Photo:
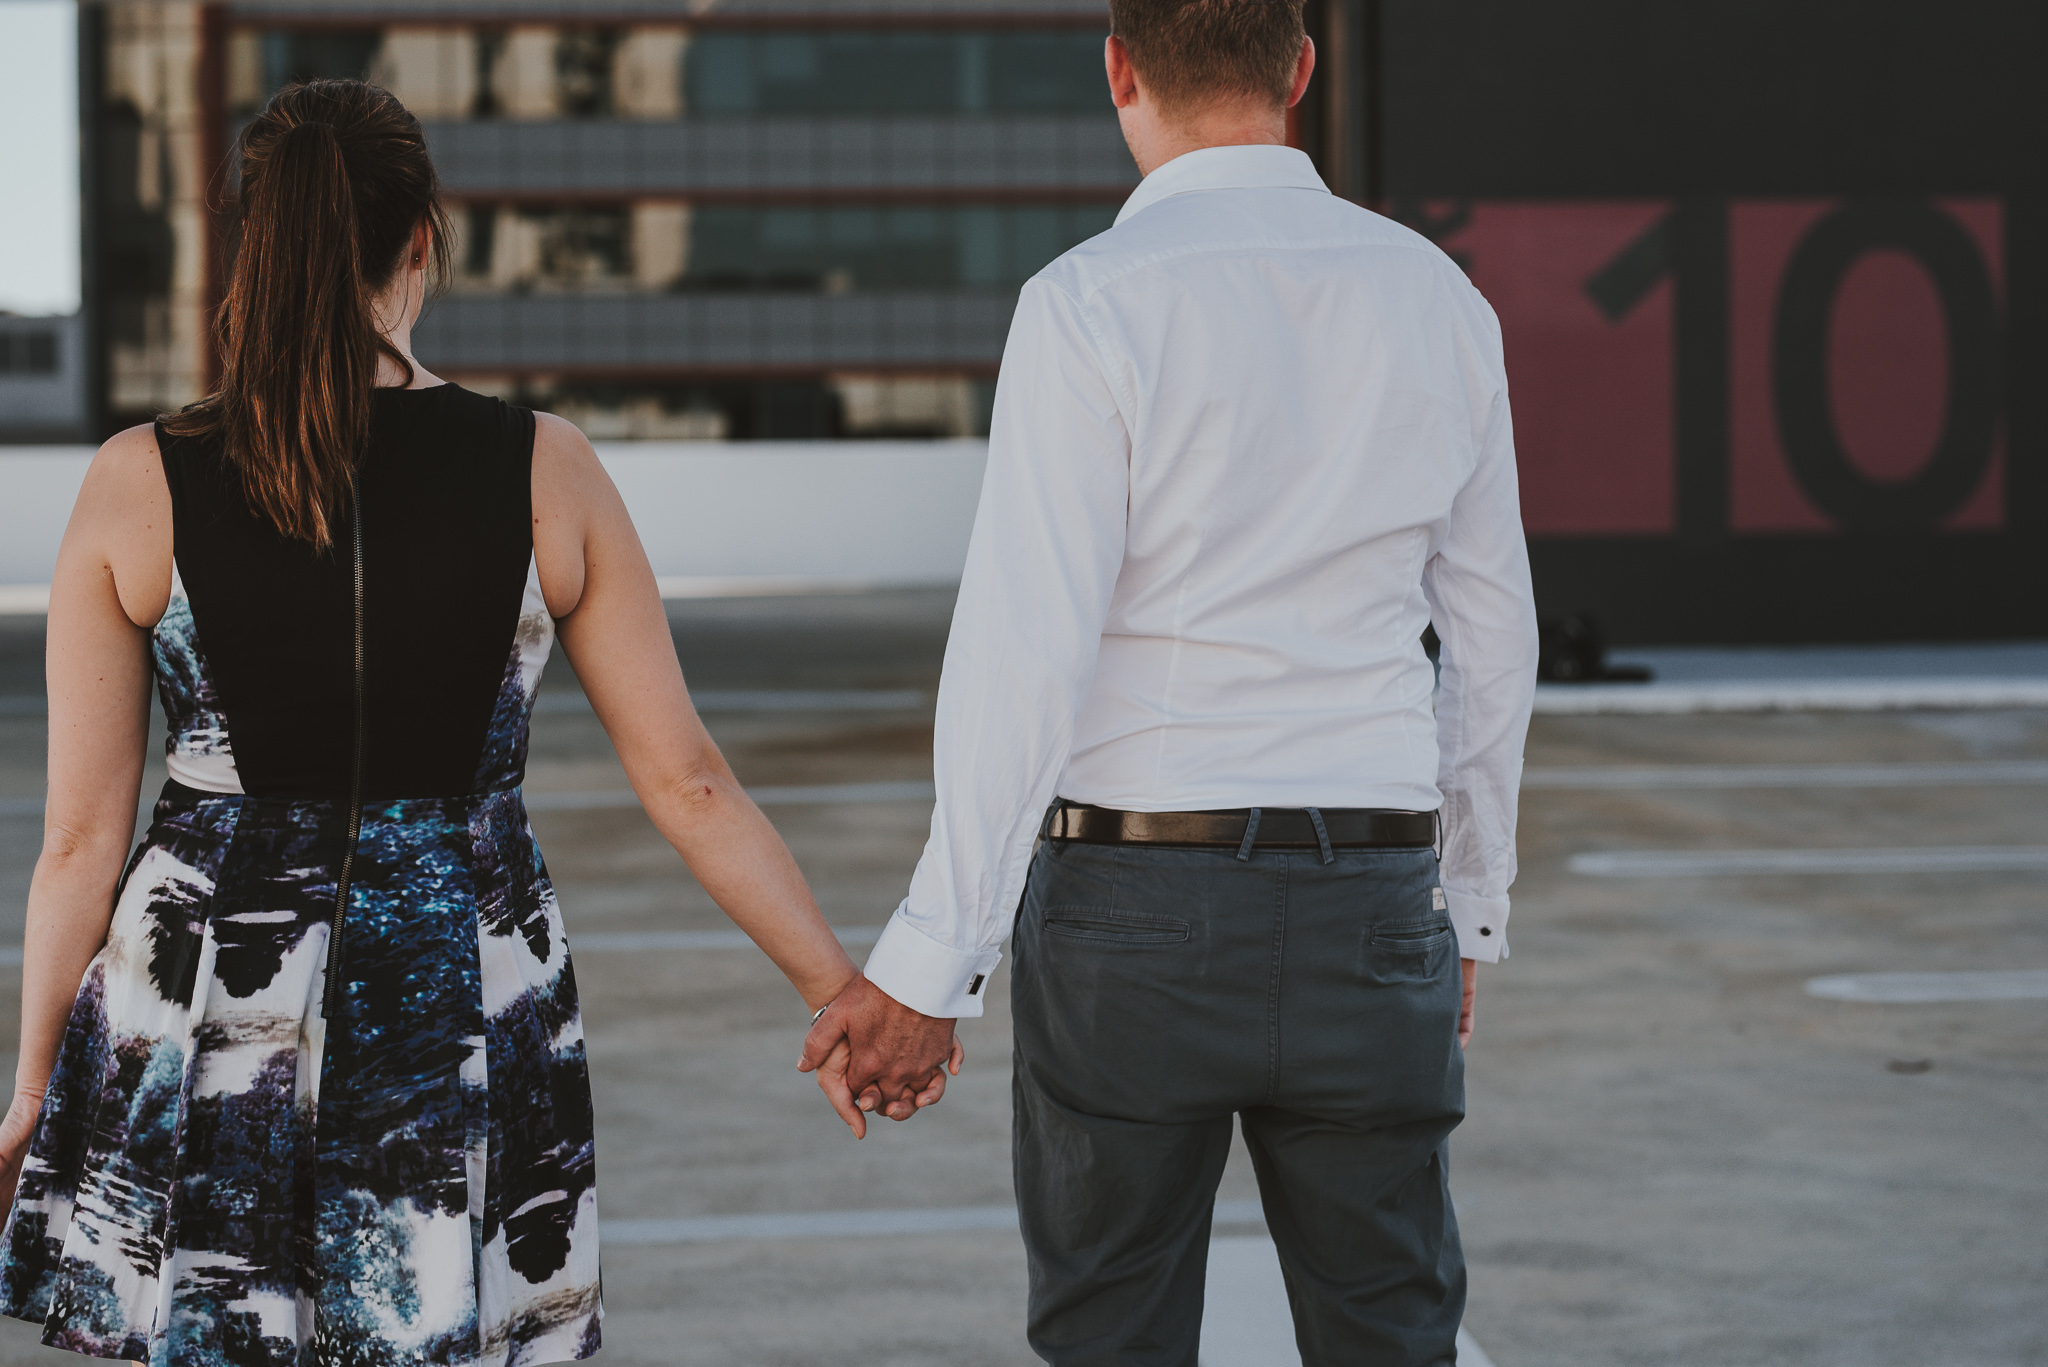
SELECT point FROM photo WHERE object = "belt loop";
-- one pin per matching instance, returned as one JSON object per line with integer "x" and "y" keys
{"x": 1045, "y": 826}
{"x": 1437, "y": 818}
{"x": 1251, "y": 833}
{"x": 1322, "y": 836}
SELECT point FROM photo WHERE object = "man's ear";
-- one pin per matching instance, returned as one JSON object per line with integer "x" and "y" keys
{"x": 1304, "y": 67}
{"x": 1123, "y": 77}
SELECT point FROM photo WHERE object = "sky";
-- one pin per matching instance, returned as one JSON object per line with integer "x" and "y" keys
{"x": 39, "y": 156}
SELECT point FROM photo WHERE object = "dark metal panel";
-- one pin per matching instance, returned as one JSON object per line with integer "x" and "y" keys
{"x": 1749, "y": 131}
{"x": 1797, "y": 590}
{"x": 1744, "y": 97}
{"x": 740, "y": 156}
{"x": 683, "y": 332}
{"x": 728, "y": 13}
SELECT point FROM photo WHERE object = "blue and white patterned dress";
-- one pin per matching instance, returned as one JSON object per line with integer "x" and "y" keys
{"x": 224, "y": 1175}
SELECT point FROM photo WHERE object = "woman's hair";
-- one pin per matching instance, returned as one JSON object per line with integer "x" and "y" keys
{"x": 335, "y": 181}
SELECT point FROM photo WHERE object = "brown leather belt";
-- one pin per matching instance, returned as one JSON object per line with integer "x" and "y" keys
{"x": 1355, "y": 828}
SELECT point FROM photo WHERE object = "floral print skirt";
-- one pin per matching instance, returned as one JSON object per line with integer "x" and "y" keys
{"x": 223, "y": 1174}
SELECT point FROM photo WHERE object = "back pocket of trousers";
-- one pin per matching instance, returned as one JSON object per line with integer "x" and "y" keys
{"x": 1408, "y": 951}
{"x": 1101, "y": 927}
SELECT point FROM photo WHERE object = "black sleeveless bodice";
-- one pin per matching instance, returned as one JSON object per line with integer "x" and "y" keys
{"x": 447, "y": 539}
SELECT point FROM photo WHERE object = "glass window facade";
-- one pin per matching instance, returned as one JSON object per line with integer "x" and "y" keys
{"x": 575, "y": 72}
{"x": 312, "y": 54}
{"x": 814, "y": 249}
{"x": 859, "y": 247}
{"x": 897, "y": 71}
{"x": 671, "y": 226}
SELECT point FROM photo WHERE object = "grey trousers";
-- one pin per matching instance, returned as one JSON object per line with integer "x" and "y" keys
{"x": 1157, "y": 993}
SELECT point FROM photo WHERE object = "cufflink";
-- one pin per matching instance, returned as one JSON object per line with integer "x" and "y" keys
{"x": 974, "y": 987}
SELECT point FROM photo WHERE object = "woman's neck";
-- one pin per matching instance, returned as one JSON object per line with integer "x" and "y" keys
{"x": 391, "y": 375}
{"x": 402, "y": 304}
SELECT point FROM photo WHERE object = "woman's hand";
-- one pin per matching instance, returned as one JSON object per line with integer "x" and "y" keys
{"x": 872, "y": 1054}
{"x": 16, "y": 1130}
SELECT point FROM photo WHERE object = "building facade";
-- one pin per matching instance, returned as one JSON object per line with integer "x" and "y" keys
{"x": 694, "y": 220}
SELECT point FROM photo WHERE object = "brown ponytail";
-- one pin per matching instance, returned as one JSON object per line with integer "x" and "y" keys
{"x": 335, "y": 180}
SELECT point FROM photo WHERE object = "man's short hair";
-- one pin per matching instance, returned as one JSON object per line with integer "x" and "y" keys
{"x": 1193, "y": 52}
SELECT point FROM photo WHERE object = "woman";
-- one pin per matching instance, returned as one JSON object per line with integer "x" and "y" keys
{"x": 310, "y": 1072}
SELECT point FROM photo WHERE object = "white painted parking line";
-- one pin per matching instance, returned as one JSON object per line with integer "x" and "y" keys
{"x": 797, "y": 795}
{"x": 1791, "y": 695}
{"x": 1245, "y": 1319}
{"x": 1991, "y": 985}
{"x": 635, "y": 941}
{"x": 607, "y": 799}
{"x": 1470, "y": 1354}
{"x": 610, "y": 799}
{"x": 1927, "y": 774}
{"x": 1717, "y": 863}
{"x": 1585, "y": 777}
{"x": 1245, "y": 1323}
{"x": 1996, "y": 985}
{"x": 708, "y": 700}
{"x": 770, "y": 585}
{"x": 844, "y": 1224}
{"x": 768, "y": 700}
{"x": 817, "y": 1224}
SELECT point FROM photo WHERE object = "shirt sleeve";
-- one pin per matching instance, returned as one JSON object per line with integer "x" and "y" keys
{"x": 1048, "y": 544}
{"x": 1477, "y": 583}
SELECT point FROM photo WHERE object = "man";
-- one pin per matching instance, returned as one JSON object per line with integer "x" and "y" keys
{"x": 1247, "y": 445}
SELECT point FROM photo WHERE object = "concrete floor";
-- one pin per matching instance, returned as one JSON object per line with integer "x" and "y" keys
{"x": 1674, "y": 1155}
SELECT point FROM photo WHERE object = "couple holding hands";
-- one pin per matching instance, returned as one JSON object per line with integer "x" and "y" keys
{"x": 302, "y": 1076}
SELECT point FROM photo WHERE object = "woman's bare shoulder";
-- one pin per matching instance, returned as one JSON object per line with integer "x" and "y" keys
{"x": 130, "y": 455}
{"x": 570, "y": 491}
{"x": 124, "y": 492}
{"x": 561, "y": 453}
{"x": 123, "y": 521}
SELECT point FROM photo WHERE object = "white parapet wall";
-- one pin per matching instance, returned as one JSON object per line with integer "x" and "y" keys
{"x": 716, "y": 518}
{"x": 38, "y": 485}
{"x": 771, "y": 515}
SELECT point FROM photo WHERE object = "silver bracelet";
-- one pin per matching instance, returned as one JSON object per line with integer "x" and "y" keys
{"x": 817, "y": 1014}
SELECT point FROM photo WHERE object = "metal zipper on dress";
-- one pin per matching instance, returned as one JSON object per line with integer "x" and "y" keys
{"x": 346, "y": 877}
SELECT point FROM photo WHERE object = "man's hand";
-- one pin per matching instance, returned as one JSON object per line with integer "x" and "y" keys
{"x": 1470, "y": 968}
{"x": 872, "y": 1053}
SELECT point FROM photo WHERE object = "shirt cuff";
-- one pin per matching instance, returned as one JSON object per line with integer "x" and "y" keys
{"x": 927, "y": 976}
{"x": 1482, "y": 925}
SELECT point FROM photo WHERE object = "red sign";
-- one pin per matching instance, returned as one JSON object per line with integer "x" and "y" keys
{"x": 1862, "y": 371}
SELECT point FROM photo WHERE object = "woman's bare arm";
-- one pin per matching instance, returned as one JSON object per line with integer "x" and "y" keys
{"x": 610, "y": 621}
{"x": 112, "y": 582}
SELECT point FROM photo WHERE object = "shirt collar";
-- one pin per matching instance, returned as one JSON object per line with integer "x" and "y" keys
{"x": 1247, "y": 167}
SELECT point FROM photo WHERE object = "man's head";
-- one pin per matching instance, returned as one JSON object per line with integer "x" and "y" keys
{"x": 1202, "y": 73}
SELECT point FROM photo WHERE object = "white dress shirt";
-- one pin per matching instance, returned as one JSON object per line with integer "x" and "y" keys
{"x": 1246, "y": 445}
